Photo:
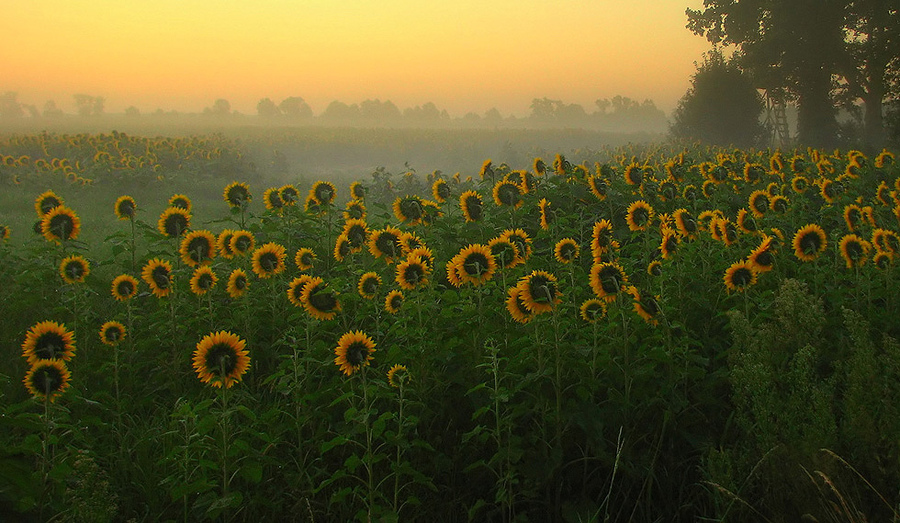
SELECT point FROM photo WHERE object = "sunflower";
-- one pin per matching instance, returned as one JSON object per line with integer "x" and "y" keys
{"x": 886, "y": 240}
{"x": 753, "y": 172}
{"x": 47, "y": 379}
{"x": 181, "y": 201}
{"x": 440, "y": 190}
{"x": 48, "y": 340}
{"x": 690, "y": 193}
{"x": 647, "y": 307}
{"x": 74, "y": 269}
{"x": 471, "y": 204}
{"x": 408, "y": 209}
{"x": 654, "y": 268}
{"x": 323, "y": 192}
{"x": 520, "y": 239}
{"x": 353, "y": 352}
{"x": 507, "y": 194}
{"x": 198, "y": 248}
{"x": 111, "y": 333}
{"x": 854, "y": 250}
{"x": 203, "y": 280}
{"x": 60, "y": 224}
{"x": 357, "y": 233}
{"x": 607, "y": 280}
{"x": 566, "y": 250}
{"x": 125, "y": 208}
{"x": 158, "y": 275}
{"x": 547, "y": 214}
{"x": 516, "y": 306}
{"x": 319, "y": 301}
{"x": 242, "y": 242}
{"x": 708, "y": 189}
{"x": 668, "y": 244}
{"x": 799, "y": 184}
{"x": 4, "y": 233}
{"x": 237, "y": 283}
{"x": 289, "y": 194}
{"x": 633, "y": 174}
{"x": 295, "y": 289}
{"x": 474, "y": 264}
{"x": 852, "y": 216}
{"x": 809, "y": 242}
{"x": 486, "y": 170}
{"x": 386, "y": 242}
{"x": 355, "y": 210}
{"x": 304, "y": 258}
{"x": 829, "y": 190}
{"x": 368, "y": 285}
{"x": 758, "y": 203}
{"x": 397, "y": 376}
{"x": 393, "y": 301}
{"x": 779, "y": 204}
{"x": 505, "y": 253}
{"x": 740, "y": 276}
{"x": 357, "y": 191}
{"x": 409, "y": 241}
{"x": 173, "y": 222}
{"x": 272, "y": 199}
{"x": 593, "y": 310}
{"x": 539, "y": 291}
{"x": 221, "y": 358}
{"x": 237, "y": 194}
{"x": 342, "y": 247}
{"x": 411, "y": 273}
{"x": 639, "y": 215}
{"x": 601, "y": 237}
{"x": 268, "y": 260}
{"x": 883, "y": 260}
{"x": 46, "y": 202}
{"x": 124, "y": 287}
{"x": 599, "y": 186}
{"x": 223, "y": 244}
{"x": 762, "y": 258}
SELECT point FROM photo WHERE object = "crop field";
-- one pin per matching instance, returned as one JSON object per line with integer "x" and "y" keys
{"x": 642, "y": 332}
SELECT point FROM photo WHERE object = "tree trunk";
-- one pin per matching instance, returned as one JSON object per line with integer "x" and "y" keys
{"x": 816, "y": 123}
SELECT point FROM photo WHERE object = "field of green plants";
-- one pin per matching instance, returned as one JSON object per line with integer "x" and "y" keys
{"x": 649, "y": 333}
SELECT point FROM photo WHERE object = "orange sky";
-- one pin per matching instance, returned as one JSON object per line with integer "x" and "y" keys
{"x": 463, "y": 55}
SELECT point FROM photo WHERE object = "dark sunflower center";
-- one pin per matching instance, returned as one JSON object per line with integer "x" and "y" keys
{"x": 289, "y": 195}
{"x": 240, "y": 283}
{"x": 779, "y": 205}
{"x": 443, "y": 190}
{"x": 411, "y": 209}
{"x": 760, "y": 203}
{"x": 690, "y": 194}
{"x": 473, "y": 207}
{"x": 175, "y": 225}
{"x": 599, "y": 186}
{"x": 62, "y": 225}
{"x": 322, "y": 300}
{"x": 396, "y": 301}
{"x": 414, "y": 273}
{"x": 47, "y": 380}
{"x": 242, "y": 243}
{"x": 356, "y": 353}
{"x": 810, "y": 242}
{"x": 221, "y": 359}
{"x": 48, "y": 204}
{"x": 853, "y": 217}
{"x": 306, "y": 258}
{"x": 610, "y": 280}
{"x": 124, "y": 288}
{"x": 199, "y": 249}
{"x": 635, "y": 176}
{"x": 126, "y": 208}
{"x": 388, "y": 243}
{"x": 268, "y": 261}
{"x": 75, "y": 270}
{"x": 668, "y": 190}
{"x": 475, "y": 264}
{"x": 160, "y": 276}
{"x": 113, "y": 334}
{"x": 205, "y": 281}
{"x": 640, "y": 215}
{"x": 324, "y": 193}
{"x": 508, "y": 193}
{"x": 505, "y": 253}
{"x": 238, "y": 196}
{"x": 741, "y": 277}
{"x": 567, "y": 251}
{"x": 354, "y": 211}
{"x": 854, "y": 250}
{"x": 370, "y": 285}
{"x": 748, "y": 222}
{"x": 180, "y": 203}
{"x": 720, "y": 173}
{"x": 49, "y": 345}
{"x": 542, "y": 290}
{"x": 764, "y": 259}
{"x": 650, "y": 306}
{"x": 275, "y": 200}
{"x": 670, "y": 244}
{"x": 356, "y": 234}
{"x": 593, "y": 311}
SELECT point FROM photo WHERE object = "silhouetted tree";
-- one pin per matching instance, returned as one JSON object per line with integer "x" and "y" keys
{"x": 10, "y": 106}
{"x": 379, "y": 111}
{"x": 266, "y": 108}
{"x": 339, "y": 111}
{"x": 87, "y": 105}
{"x": 295, "y": 107}
{"x": 220, "y": 107}
{"x": 722, "y": 106}
{"x": 51, "y": 110}
{"x": 426, "y": 113}
{"x": 132, "y": 111}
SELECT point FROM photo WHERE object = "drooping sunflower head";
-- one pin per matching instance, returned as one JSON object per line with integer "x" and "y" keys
{"x": 320, "y": 301}
{"x": 779, "y": 204}
{"x": 599, "y": 186}
{"x": 799, "y": 184}
{"x": 46, "y": 202}
{"x": 223, "y": 244}
{"x": 408, "y": 209}
{"x": 593, "y": 310}
{"x": 601, "y": 237}
{"x": 520, "y": 239}
{"x": 355, "y": 210}
{"x": 323, "y": 192}
{"x": 124, "y": 287}
{"x": 547, "y": 213}
{"x": 158, "y": 275}
{"x": 411, "y": 274}
{"x": 393, "y": 301}
{"x": 809, "y": 241}
{"x": 304, "y": 258}
{"x": 342, "y": 247}
{"x": 883, "y": 260}
{"x": 475, "y": 264}
{"x": 237, "y": 283}
{"x": 505, "y": 253}
{"x": 4, "y": 232}
{"x": 515, "y": 305}
{"x": 758, "y": 203}
{"x": 852, "y": 216}
{"x": 60, "y": 224}
{"x": 633, "y": 174}
{"x": 686, "y": 223}
{"x": 654, "y": 268}
{"x": 763, "y": 257}
{"x": 221, "y": 359}
{"x": 203, "y": 280}
{"x": 539, "y": 167}
{"x": 440, "y": 189}
{"x": 74, "y": 269}
{"x": 668, "y": 244}
{"x": 398, "y": 376}
{"x": 295, "y": 289}
{"x": 471, "y": 204}
{"x": 125, "y": 208}
{"x": 539, "y": 291}
{"x": 48, "y": 340}
{"x": 237, "y": 194}
{"x": 368, "y": 285}
{"x": 753, "y": 172}
{"x": 353, "y": 352}
{"x": 272, "y": 199}
{"x": 884, "y": 159}
{"x": 486, "y": 171}
{"x": 886, "y": 240}
{"x": 242, "y": 242}
{"x": 639, "y": 215}
{"x": 566, "y": 250}
{"x": 198, "y": 248}
{"x": 289, "y": 194}
{"x": 829, "y": 190}
{"x": 111, "y": 333}
{"x": 607, "y": 280}
{"x": 357, "y": 191}
{"x": 690, "y": 193}
{"x": 357, "y": 233}
{"x": 47, "y": 379}
{"x": 386, "y": 242}
{"x": 173, "y": 222}
{"x": 740, "y": 276}
{"x": 854, "y": 250}
{"x": 507, "y": 194}
{"x": 181, "y": 201}
{"x": 268, "y": 260}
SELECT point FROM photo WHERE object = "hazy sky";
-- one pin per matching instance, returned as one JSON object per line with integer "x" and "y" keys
{"x": 463, "y": 55}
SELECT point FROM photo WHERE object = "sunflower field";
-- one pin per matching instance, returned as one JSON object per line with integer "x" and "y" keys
{"x": 668, "y": 332}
